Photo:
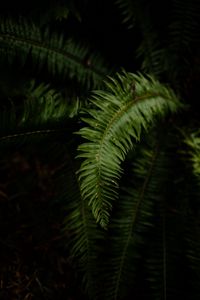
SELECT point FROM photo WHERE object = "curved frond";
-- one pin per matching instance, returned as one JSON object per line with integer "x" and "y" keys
{"x": 130, "y": 105}
{"x": 133, "y": 218}
{"x": 82, "y": 231}
{"x": 42, "y": 113}
{"x": 65, "y": 58}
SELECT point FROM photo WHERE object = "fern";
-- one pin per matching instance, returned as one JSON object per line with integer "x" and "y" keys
{"x": 65, "y": 58}
{"x": 133, "y": 219}
{"x": 41, "y": 114}
{"x": 184, "y": 28}
{"x": 127, "y": 11}
{"x": 193, "y": 142}
{"x": 191, "y": 220}
{"x": 130, "y": 105}
{"x": 192, "y": 246}
{"x": 163, "y": 272}
{"x": 82, "y": 231}
{"x": 150, "y": 50}
{"x": 132, "y": 176}
{"x": 152, "y": 53}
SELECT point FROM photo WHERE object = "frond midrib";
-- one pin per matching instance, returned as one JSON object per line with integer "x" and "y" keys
{"x": 28, "y": 133}
{"x": 116, "y": 116}
{"x": 65, "y": 54}
{"x": 124, "y": 109}
{"x": 118, "y": 108}
{"x": 133, "y": 221}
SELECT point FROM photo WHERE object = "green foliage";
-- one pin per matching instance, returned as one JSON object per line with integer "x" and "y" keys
{"x": 127, "y": 9}
{"x": 40, "y": 114}
{"x": 61, "y": 57}
{"x": 134, "y": 219}
{"x": 150, "y": 50}
{"x": 128, "y": 175}
{"x": 193, "y": 141}
{"x": 118, "y": 117}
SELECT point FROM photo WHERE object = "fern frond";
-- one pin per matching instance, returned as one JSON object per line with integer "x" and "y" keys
{"x": 42, "y": 113}
{"x": 184, "y": 28}
{"x": 171, "y": 237}
{"x": 164, "y": 273}
{"x": 183, "y": 39}
{"x": 192, "y": 234}
{"x": 127, "y": 11}
{"x": 56, "y": 12}
{"x": 150, "y": 49}
{"x": 192, "y": 226}
{"x": 133, "y": 218}
{"x": 65, "y": 58}
{"x": 130, "y": 105}
{"x": 193, "y": 142}
{"x": 82, "y": 231}
{"x": 151, "y": 53}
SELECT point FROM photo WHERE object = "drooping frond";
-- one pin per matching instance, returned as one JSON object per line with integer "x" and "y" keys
{"x": 62, "y": 58}
{"x": 164, "y": 274}
{"x": 130, "y": 105}
{"x": 147, "y": 244}
{"x": 82, "y": 231}
{"x": 133, "y": 218}
{"x": 42, "y": 112}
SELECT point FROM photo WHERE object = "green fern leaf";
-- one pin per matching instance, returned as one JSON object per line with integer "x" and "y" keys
{"x": 129, "y": 106}
{"x": 127, "y": 11}
{"x": 192, "y": 234}
{"x": 193, "y": 142}
{"x": 184, "y": 28}
{"x": 133, "y": 218}
{"x": 192, "y": 228}
{"x": 82, "y": 231}
{"x": 65, "y": 58}
{"x": 42, "y": 113}
{"x": 150, "y": 49}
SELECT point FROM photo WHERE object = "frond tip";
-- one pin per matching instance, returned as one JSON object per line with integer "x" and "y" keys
{"x": 130, "y": 105}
